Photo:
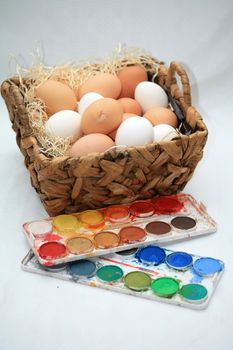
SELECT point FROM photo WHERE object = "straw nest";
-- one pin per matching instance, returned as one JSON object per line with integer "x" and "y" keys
{"x": 74, "y": 75}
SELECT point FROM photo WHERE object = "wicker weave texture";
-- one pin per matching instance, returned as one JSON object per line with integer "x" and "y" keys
{"x": 67, "y": 185}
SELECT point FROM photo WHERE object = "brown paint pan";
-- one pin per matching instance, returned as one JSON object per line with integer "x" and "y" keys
{"x": 158, "y": 228}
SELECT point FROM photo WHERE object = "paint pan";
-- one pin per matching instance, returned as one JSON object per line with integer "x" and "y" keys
{"x": 126, "y": 254}
{"x": 137, "y": 281}
{"x": 166, "y": 205}
{"x": 92, "y": 218}
{"x": 194, "y": 293}
{"x": 117, "y": 214}
{"x": 110, "y": 273}
{"x": 128, "y": 275}
{"x": 179, "y": 261}
{"x": 106, "y": 239}
{"x": 55, "y": 268}
{"x": 52, "y": 250}
{"x": 66, "y": 225}
{"x": 158, "y": 228}
{"x": 132, "y": 234}
{"x": 40, "y": 228}
{"x": 207, "y": 266}
{"x": 114, "y": 229}
{"x": 165, "y": 287}
{"x": 151, "y": 255}
{"x": 183, "y": 223}
{"x": 82, "y": 268}
{"x": 79, "y": 245}
{"x": 142, "y": 209}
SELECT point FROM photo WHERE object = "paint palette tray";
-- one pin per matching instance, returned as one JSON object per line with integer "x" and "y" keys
{"x": 99, "y": 232}
{"x": 150, "y": 272}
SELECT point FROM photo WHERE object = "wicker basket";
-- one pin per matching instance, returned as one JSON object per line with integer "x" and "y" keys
{"x": 67, "y": 185}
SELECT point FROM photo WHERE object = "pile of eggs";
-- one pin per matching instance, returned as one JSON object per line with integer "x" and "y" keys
{"x": 108, "y": 110}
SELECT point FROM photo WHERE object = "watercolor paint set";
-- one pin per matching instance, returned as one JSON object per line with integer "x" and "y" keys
{"x": 149, "y": 272}
{"x": 93, "y": 233}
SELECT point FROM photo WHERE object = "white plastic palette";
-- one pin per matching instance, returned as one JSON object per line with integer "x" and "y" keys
{"x": 127, "y": 265}
{"x": 53, "y": 247}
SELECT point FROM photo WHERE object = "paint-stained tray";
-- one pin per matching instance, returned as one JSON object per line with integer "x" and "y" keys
{"x": 178, "y": 278}
{"x": 98, "y": 232}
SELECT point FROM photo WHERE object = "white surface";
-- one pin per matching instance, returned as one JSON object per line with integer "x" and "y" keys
{"x": 44, "y": 313}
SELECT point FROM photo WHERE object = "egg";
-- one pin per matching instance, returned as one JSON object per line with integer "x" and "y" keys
{"x": 130, "y": 77}
{"x": 124, "y": 117}
{"x": 134, "y": 131}
{"x": 102, "y": 116}
{"x": 76, "y": 92}
{"x": 150, "y": 95}
{"x": 56, "y": 96}
{"x": 64, "y": 124}
{"x": 164, "y": 132}
{"x": 91, "y": 143}
{"x": 105, "y": 84}
{"x": 130, "y": 105}
{"x": 127, "y": 116}
{"x": 86, "y": 100}
{"x": 161, "y": 115}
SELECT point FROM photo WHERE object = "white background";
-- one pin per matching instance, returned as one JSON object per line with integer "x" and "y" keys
{"x": 44, "y": 313}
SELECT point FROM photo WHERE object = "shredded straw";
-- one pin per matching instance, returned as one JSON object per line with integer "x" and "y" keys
{"x": 73, "y": 75}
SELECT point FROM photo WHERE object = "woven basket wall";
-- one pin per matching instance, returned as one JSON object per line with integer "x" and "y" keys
{"x": 67, "y": 185}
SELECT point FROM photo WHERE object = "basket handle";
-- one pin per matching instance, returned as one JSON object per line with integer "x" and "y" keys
{"x": 184, "y": 96}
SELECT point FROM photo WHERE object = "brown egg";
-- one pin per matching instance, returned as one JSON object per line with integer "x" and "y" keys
{"x": 102, "y": 116}
{"x": 161, "y": 115}
{"x": 105, "y": 84}
{"x": 91, "y": 143}
{"x": 130, "y": 77}
{"x": 124, "y": 117}
{"x": 76, "y": 92}
{"x": 130, "y": 106}
{"x": 56, "y": 96}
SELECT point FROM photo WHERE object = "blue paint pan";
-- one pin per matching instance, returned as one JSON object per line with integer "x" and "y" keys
{"x": 152, "y": 255}
{"x": 82, "y": 268}
{"x": 207, "y": 266}
{"x": 55, "y": 268}
{"x": 179, "y": 261}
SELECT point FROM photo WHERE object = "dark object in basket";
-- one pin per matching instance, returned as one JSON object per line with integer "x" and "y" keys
{"x": 68, "y": 185}
{"x": 184, "y": 127}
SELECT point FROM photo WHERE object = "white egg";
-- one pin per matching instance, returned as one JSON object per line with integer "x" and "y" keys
{"x": 150, "y": 95}
{"x": 134, "y": 131}
{"x": 86, "y": 100}
{"x": 164, "y": 132}
{"x": 64, "y": 124}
